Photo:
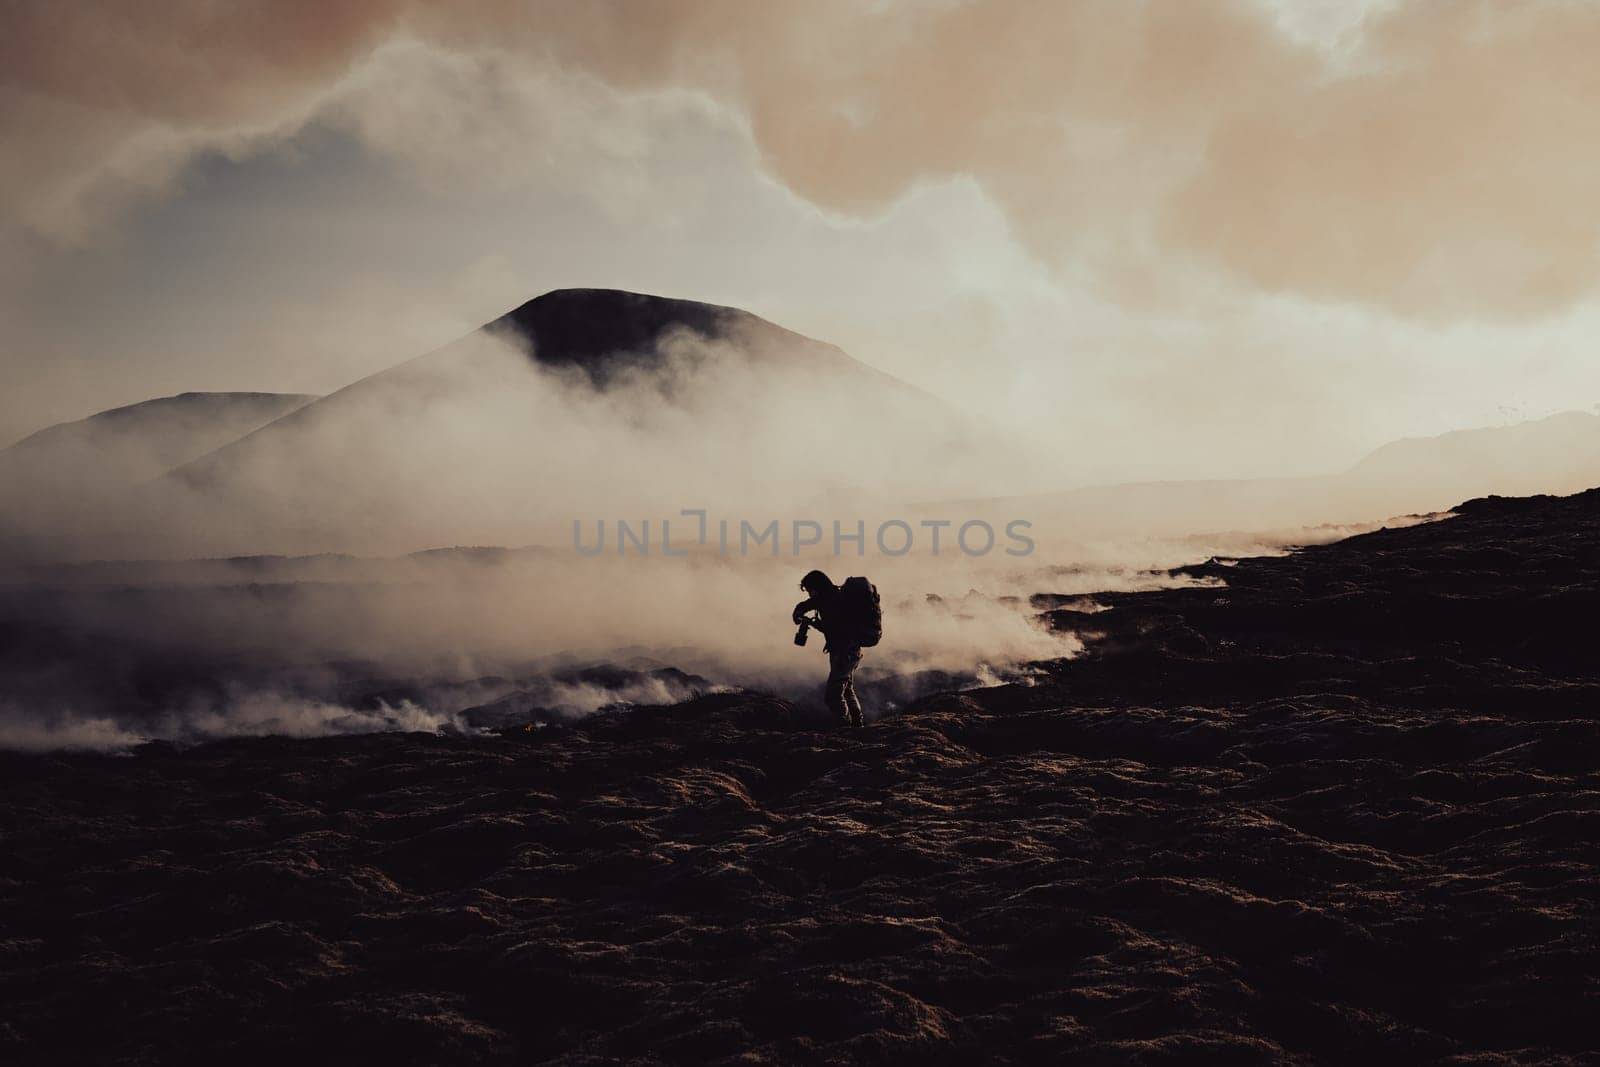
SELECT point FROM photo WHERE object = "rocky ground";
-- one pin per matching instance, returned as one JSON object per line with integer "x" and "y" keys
{"x": 1342, "y": 807}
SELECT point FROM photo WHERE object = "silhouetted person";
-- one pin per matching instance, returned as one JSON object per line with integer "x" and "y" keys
{"x": 838, "y": 622}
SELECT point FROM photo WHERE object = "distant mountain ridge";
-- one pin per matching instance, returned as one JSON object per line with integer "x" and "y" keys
{"x": 146, "y": 439}
{"x": 1559, "y": 454}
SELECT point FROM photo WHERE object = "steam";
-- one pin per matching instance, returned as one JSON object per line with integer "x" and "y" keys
{"x": 465, "y": 641}
{"x": 387, "y": 628}
{"x": 480, "y": 444}
{"x": 460, "y": 644}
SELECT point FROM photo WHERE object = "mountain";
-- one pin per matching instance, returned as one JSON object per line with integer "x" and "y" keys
{"x": 611, "y": 334}
{"x": 143, "y": 440}
{"x": 578, "y": 403}
{"x": 74, "y": 483}
{"x": 611, "y": 339}
{"x": 1559, "y": 454}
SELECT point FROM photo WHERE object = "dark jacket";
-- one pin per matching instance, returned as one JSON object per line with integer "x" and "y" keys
{"x": 835, "y": 623}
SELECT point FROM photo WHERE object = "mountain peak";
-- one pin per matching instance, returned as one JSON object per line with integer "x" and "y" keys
{"x": 604, "y": 330}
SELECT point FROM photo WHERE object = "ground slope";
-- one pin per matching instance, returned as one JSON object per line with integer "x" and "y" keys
{"x": 1342, "y": 808}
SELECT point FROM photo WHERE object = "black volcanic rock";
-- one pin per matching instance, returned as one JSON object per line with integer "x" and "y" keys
{"x": 1355, "y": 821}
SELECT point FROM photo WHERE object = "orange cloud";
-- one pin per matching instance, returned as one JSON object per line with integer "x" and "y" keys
{"x": 1445, "y": 169}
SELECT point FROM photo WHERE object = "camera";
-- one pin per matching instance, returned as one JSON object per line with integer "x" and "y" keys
{"x": 800, "y": 634}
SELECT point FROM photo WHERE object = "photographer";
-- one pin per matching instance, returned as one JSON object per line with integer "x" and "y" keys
{"x": 850, "y": 618}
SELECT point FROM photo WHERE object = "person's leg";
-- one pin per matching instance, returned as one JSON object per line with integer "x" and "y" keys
{"x": 840, "y": 664}
{"x": 853, "y": 702}
{"x": 838, "y": 679}
{"x": 841, "y": 691}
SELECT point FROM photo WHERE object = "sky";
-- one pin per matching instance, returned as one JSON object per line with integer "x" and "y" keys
{"x": 1184, "y": 239}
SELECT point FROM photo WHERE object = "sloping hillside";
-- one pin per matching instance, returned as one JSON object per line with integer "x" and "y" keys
{"x": 142, "y": 440}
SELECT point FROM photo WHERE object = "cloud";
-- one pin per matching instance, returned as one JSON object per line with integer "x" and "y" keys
{"x": 1435, "y": 165}
{"x": 101, "y": 103}
{"x": 1451, "y": 177}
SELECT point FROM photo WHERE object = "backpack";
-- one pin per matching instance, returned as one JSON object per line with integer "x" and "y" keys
{"x": 860, "y": 600}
